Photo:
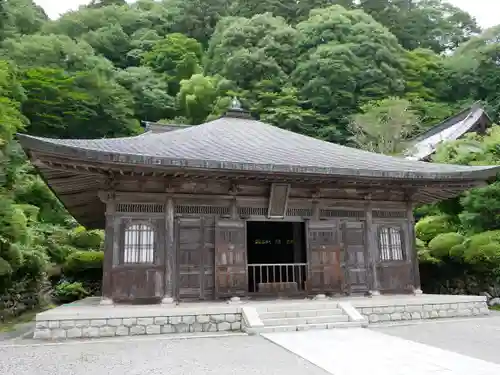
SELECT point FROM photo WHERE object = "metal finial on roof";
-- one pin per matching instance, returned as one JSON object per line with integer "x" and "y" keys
{"x": 235, "y": 104}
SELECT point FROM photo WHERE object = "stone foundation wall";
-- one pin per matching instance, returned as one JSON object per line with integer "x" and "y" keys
{"x": 376, "y": 314}
{"x": 85, "y": 328}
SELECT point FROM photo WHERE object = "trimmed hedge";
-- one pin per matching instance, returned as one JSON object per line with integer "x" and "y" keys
{"x": 85, "y": 267}
{"x": 441, "y": 245}
{"x": 429, "y": 227}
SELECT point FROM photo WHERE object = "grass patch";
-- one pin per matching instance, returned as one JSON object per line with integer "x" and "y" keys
{"x": 497, "y": 307}
{"x": 10, "y": 324}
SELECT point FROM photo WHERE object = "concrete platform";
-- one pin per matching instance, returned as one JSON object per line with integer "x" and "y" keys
{"x": 87, "y": 318}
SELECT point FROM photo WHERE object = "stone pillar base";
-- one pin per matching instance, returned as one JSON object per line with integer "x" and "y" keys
{"x": 106, "y": 301}
{"x": 167, "y": 300}
{"x": 320, "y": 297}
{"x": 418, "y": 292}
{"x": 374, "y": 293}
{"x": 234, "y": 300}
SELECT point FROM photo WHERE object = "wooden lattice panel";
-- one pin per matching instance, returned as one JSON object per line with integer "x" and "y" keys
{"x": 341, "y": 213}
{"x": 252, "y": 211}
{"x": 301, "y": 212}
{"x": 140, "y": 207}
{"x": 389, "y": 214}
{"x": 202, "y": 210}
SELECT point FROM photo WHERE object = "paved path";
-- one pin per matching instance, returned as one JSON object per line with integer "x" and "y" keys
{"x": 475, "y": 337}
{"x": 363, "y": 351}
{"x": 155, "y": 355}
{"x": 449, "y": 347}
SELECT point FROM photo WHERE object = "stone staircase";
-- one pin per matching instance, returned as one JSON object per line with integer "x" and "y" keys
{"x": 300, "y": 317}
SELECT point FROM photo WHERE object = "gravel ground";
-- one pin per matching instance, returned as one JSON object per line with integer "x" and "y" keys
{"x": 475, "y": 337}
{"x": 242, "y": 355}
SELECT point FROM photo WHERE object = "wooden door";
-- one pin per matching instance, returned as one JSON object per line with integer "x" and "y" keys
{"x": 325, "y": 270}
{"x": 189, "y": 257}
{"x": 356, "y": 264}
{"x": 230, "y": 258}
{"x": 195, "y": 258}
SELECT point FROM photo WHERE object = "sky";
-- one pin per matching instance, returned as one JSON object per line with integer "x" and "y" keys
{"x": 487, "y": 12}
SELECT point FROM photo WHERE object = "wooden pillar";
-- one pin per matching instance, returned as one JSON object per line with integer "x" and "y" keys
{"x": 412, "y": 247}
{"x": 109, "y": 240}
{"x": 170, "y": 252}
{"x": 372, "y": 248}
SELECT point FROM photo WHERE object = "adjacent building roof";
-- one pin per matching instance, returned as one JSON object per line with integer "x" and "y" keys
{"x": 156, "y": 127}
{"x": 471, "y": 119}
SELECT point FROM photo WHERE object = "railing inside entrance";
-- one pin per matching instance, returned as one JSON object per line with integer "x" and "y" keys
{"x": 277, "y": 278}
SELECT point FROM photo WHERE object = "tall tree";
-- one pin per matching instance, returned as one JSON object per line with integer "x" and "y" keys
{"x": 111, "y": 42}
{"x": 55, "y": 51}
{"x": 432, "y": 24}
{"x": 291, "y": 10}
{"x": 177, "y": 56}
{"x": 11, "y": 96}
{"x": 248, "y": 51}
{"x": 473, "y": 72}
{"x": 150, "y": 92}
{"x": 385, "y": 126}
{"x": 63, "y": 105}
{"x": 105, "y": 3}
{"x": 20, "y": 17}
{"x": 347, "y": 59}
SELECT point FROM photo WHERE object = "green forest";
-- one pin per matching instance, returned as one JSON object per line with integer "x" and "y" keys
{"x": 370, "y": 74}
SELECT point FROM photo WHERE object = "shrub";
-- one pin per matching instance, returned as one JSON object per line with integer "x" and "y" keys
{"x": 67, "y": 292}
{"x": 486, "y": 256}
{"x": 441, "y": 245}
{"x": 5, "y": 268}
{"x": 484, "y": 238}
{"x": 86, "y": 267}
{"x": 35, "y": 262}
{"x": 87, "y": 239}
{"x": 458, "y": 251}
{"x": 424, "y": 256}
{"x": 419, "y": 244}
{"x": 59, "y": 253}
{"x": 429, "y": 227}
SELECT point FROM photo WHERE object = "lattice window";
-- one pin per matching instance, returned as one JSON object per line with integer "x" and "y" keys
{"x": 140, "y": 207}
{"x": 341, "y": 213}
{"x": 252, "y": 211}
{"x": 202, "y": 210}
{"x": 303, "y": 212}
{"x": 389, "y": 214}
{"x": 139, "y": 244}
{"x": 390, "y": 244}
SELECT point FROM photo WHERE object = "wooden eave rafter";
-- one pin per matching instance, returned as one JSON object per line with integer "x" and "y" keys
{"x": 133, "y": 172}
{"x": 77, "y": 182}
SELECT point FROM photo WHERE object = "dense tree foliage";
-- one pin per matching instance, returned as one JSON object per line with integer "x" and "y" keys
{"x": 370, "y": 73}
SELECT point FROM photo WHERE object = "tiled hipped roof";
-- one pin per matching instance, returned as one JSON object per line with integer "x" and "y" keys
{"x": 242, "y": 144}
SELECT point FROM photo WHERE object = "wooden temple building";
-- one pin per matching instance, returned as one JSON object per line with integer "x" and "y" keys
{"x": 237, "y": 207}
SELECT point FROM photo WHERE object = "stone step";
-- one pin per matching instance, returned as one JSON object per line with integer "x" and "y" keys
{"x": 306, "y": 327}
{"x": 298, "y": 307}
{"x": 306, "y": 320}
{"x": 300, "y": 313}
